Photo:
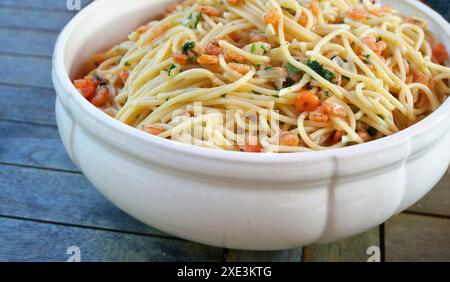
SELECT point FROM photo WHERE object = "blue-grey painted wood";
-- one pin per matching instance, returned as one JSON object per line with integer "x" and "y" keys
{"x": 32, "y": 241}
{"x": 53, "y": 5}
{"x": 27, "y": 104}
{"x": 32, "y": 19}
{"x": 33, "y": 145}
{"x": 26, "y": 71}
{"x": 27, "y": 42}
{"x": 63, "y": 198}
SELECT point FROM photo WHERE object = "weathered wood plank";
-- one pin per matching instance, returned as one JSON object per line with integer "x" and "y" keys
{"x": 41, "y": 4}
{"x": 437, "y": 202}
{"x": 350, "y": 250}
{"x": 32, "y": 241}
{"x": 61, "y": 197}
{"x": 417, "y": 238}
{"x": 44, "y": 195}
{"x": 32, "y": 19}
{"x": 27, "y": 42}
{"x": 26, "y": 71}
{"x": 33, "y": 145}
{"x": 294, "y": 255}
{"x": 27, "y": 104}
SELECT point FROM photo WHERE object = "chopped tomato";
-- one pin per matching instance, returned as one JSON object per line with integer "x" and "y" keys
{"x": 100, "y": 97}
{"x": 154, "y": 130}
{"x": 86, "y": 87}
{"x": 306, "y": 101}
{"x": 208, "y": 60}
{"x": 289, "y": 139}
{"x": 251, "y": 148}
{"x": 440, "y": 53}
{"x": 271, "y": 17}
{"x": 357, "y": 14}
{"x": 123, "y": 76}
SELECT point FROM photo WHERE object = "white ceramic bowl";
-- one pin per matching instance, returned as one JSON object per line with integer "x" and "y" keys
{"x": 234, "y": 199}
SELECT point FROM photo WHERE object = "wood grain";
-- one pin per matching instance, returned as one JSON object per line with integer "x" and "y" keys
{"x": 27, "y": 42}
{"x": 26, "y": 71}
{"x": 62, "y": 198}
{"x": 16, "y": 103}
{"x": 33, "y": 19}
{"x": 53, "y": 5}
{"x": 31, "y": 241}
{"x": 33, "y": 145}
{"x": 350, "y": 250}
{"x": 437, "y": 202}
{"x": 417, "y": 238}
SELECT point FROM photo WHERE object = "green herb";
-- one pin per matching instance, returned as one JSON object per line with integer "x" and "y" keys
{"x": 223, "y": 95}
{"x": 268, "y": 68}
{"x": 366, "y": 60}
{"x": 256, "y": 92}
{"x": 258, "y": 65}
{"x": 193, "y": 59}
{"x": 381, "y": 116}
{"x": 276, "y": 96}
{"x": 292, "y": 70}
{"x": 289, "y": 82}
{"x": 171, "y": 68}
{"x": 326, "y": 93}
{"x": 253, "y": 48}
{"x": 289, "y": 10}
{"x": 372, "y": 131}
{"x": 264, "y": 49}
{"x": 351, "y": 143}
{"x": 192, "y": 20}
{"x": 320, "y": 70}
{"x": 188, "y": 46}
{"x": 127, "y": 64}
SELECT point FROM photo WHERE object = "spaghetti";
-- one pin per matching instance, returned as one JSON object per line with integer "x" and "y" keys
{"x": 332, "y": 73}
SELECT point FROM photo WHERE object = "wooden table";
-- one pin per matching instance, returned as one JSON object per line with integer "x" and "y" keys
{"x": 47, "y": 205}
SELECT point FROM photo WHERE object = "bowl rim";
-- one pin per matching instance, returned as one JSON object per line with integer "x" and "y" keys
{"x": 62, "y": 77}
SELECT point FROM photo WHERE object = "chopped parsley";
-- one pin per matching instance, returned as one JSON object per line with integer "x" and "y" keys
{"x": 188, "y": 46}
{"x": 289, "y": 10}
{"x": 127, "y": 64}
{"x": 264, "y": 49}
{"x": 289, "y": 82}
{"x": 372, "y": 131}
{"x": 292, "y": 70}
{"x": 320, "y": 70}
{"x": 256, "y": 92}
{"x": 171, "y": 68}
{"x": 192, "y": 20}
{"x": 253, "y": 48}
{"x": 193, "y": 59}
{"x": 381, "y": 116}
{"x": 223, "y": 95}
{"x": 366, "y": 59}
